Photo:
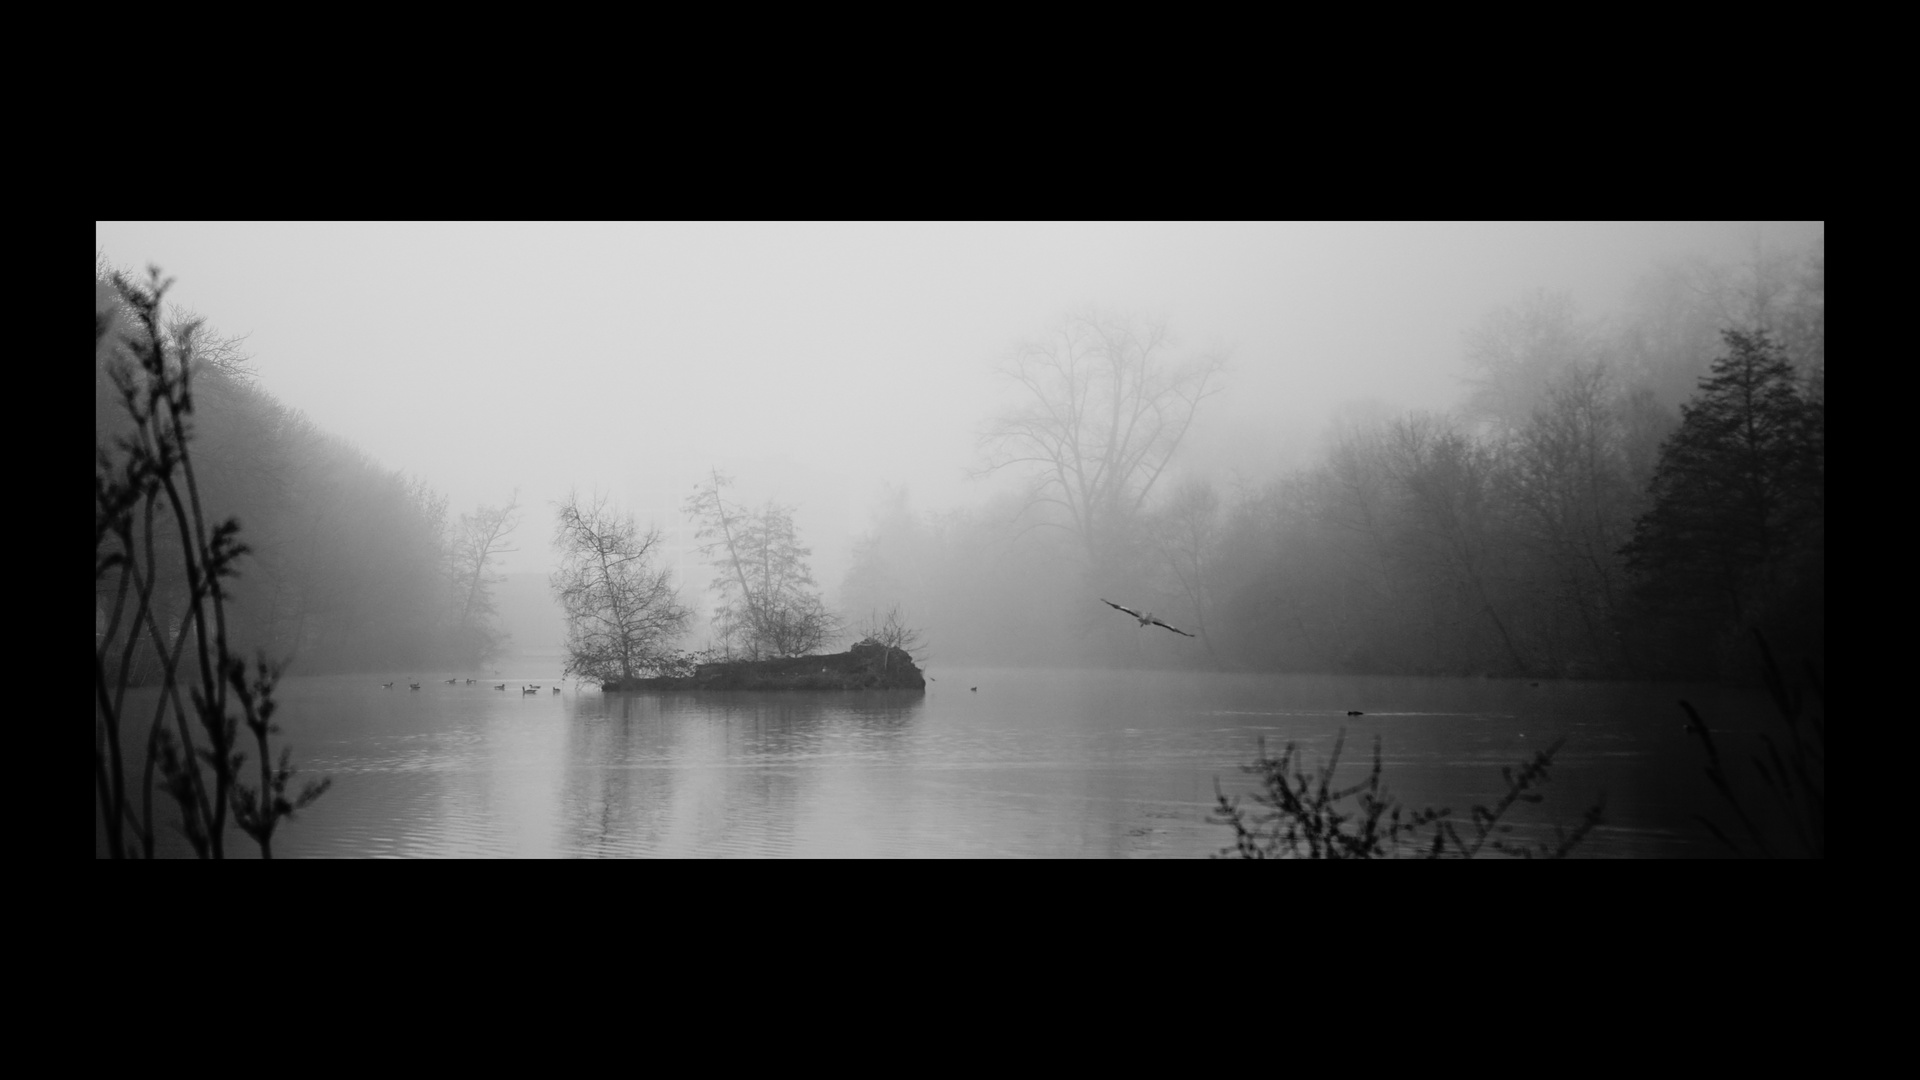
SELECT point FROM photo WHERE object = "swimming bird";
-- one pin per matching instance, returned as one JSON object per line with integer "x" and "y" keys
{"x": 386, "y": 686}
{"x": 556, "y": 689}
{"x": 413, "y": 686}
{"x": 1146, "y": 619}
{"x": 451, "y": 682}
{"x": 501, "y": 686}
{"x": 974, "y": 688}
{"x": 1355, "y": 712}
{"x": 469, "y": 682}
{"x": 529, "y": 689}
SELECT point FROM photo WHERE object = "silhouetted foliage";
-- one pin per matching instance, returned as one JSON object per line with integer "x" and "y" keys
{"x": 1307, "y": 816}
{"x": 163, "y": 569}
{"x": 1794, "y": 777}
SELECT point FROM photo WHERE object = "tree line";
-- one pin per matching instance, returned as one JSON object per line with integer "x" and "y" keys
{"x": 1613, "y": 498}
{"x": 1610, "y": 498}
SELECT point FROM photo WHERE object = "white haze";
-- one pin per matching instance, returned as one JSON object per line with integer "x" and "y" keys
{"x": 819, "y": 362}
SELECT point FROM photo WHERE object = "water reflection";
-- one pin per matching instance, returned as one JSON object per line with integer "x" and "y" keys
{"x": 1036, "y": 763}
{"x": 734, "y": 774}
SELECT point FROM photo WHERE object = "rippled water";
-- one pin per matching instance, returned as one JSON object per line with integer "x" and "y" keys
{"x": 1047, "y": 763}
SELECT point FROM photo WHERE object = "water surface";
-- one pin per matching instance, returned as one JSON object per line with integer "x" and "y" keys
{"x": 1034, "y": 763}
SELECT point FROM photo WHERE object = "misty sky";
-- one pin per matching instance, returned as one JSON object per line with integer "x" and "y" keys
{"x": 817, "y": 362}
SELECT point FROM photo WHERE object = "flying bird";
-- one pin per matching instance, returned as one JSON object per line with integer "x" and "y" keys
{"x": 1146, "y": 619}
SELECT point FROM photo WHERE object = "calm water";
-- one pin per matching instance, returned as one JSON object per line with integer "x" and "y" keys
{"x": 1046, "y": 763}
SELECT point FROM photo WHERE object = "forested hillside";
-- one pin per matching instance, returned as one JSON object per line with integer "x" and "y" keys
{"x": 351, "y": 566}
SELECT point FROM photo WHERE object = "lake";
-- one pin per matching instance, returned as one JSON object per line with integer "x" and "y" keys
{"x": 1035, "y": 763}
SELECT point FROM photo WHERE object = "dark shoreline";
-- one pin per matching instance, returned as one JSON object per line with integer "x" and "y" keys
{"x": 864, "y": 667}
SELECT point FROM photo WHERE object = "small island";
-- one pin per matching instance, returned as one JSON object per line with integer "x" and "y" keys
{"x": 866, "y": 666}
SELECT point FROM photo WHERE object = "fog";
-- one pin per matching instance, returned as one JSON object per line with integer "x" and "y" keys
{"x": 832, "y": 366}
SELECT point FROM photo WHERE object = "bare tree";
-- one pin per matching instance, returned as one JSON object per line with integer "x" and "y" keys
{"x": 768, "y": 600}
{"x": 1567, "y": 472}
{"x": 1186, "y": 531}
{"x": 1104, "y": 406}
{"x": 480, "y": 538}
{"x": 623, "y": 614}
{"x": 1517, "y": 352}
{"x": 893, "y": 632}
{"x": 1454, "y": 524}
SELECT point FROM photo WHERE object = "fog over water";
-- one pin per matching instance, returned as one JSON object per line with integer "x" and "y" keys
{"x": 1038, "y": 763}
{"x": 1137, "y": 499}
{"x": 818, "y": 362}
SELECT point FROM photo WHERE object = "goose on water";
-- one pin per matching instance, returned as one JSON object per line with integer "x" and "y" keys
{"x": 1146, "y": 619}
{"x": 501, "y": 686}
{"x": 386, "y": 686}
{"x": 529, "y": 689}
{"x": 413, "y": 686}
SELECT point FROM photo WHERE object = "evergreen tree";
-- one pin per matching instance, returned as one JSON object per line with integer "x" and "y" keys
{"x": 1736, "y": 534}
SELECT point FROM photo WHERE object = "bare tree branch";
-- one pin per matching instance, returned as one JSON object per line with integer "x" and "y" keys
{"x": 1104, "y": 408}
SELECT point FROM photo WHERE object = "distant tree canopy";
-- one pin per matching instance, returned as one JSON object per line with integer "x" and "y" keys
{"x": 1103, "y": 404}
{"x": 479, "y": 539}
{"x": 1550, "y": 526}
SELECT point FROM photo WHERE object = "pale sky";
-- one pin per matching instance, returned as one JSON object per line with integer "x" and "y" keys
{"x": 817, "y": 362}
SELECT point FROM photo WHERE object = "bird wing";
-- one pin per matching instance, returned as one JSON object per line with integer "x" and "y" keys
{"x": 1175, "y": 629}
{"x": 1117, "y": 607}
